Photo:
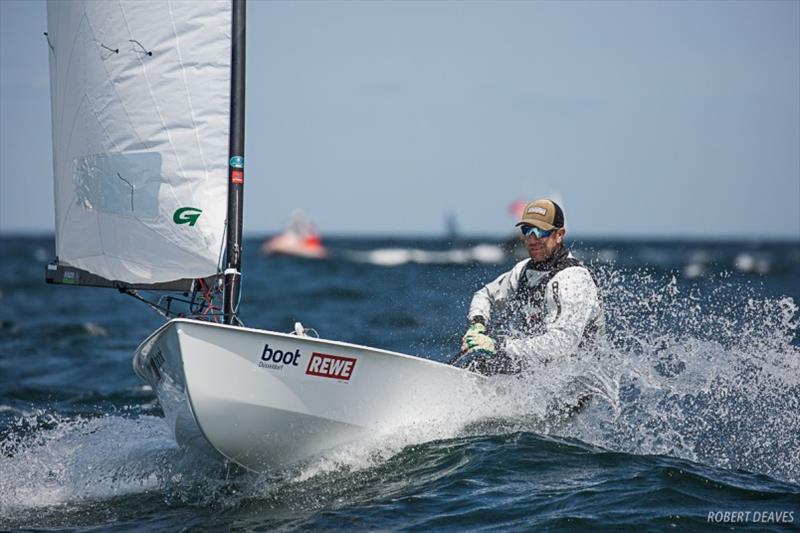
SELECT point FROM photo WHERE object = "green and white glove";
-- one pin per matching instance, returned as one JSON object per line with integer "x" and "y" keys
{"x": 477, "y": 340}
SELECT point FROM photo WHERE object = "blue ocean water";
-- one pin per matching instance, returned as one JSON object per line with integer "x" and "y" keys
{"x": 696, "y": 422}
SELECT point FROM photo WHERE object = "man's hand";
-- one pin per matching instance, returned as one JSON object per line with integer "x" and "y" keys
{"x": 477, "y": 340}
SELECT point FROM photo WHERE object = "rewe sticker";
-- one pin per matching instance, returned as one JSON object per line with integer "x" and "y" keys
{"x": 331, "y": 366}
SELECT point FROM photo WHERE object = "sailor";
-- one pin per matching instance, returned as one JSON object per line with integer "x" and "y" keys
{"x": 544, "y": 308}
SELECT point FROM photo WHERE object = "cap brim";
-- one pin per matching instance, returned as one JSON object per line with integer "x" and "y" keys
{"x": 536, "y": 222}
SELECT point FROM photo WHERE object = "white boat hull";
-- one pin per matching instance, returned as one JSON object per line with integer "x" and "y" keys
{"x": 266, "y": 400}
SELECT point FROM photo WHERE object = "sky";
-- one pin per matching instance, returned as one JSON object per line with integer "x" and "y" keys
{"x": 645, "y": 119}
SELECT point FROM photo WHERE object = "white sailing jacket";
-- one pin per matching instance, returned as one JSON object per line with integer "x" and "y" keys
{"x": 569, "y": 312}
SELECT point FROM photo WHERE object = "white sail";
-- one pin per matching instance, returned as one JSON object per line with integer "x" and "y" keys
{"x": 140, "y": 95}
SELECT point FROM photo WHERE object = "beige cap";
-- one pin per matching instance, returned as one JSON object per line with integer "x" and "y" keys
{"x": 544, "y": 213}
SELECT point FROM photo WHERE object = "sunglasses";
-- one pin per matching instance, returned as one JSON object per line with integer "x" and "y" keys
{"x": 540, "y": 233}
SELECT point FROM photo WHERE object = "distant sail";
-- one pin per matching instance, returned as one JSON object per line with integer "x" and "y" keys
{"x": 140, "y": 96}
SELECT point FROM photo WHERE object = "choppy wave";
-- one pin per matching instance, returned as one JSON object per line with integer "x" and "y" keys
{"x": 68, "y": 472}
{"x": 695, "y": 409}
{"x": 50, "y": 461}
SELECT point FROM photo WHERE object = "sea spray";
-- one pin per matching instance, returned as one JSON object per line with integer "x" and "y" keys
{"x": 50, "y": 460}
{"x": 705, "y": 372}
{"x": 59, "y": 469}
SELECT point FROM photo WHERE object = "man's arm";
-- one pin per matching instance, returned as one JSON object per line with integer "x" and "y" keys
{"x": 572, "y": 301}
{"x": 497, "y": 291}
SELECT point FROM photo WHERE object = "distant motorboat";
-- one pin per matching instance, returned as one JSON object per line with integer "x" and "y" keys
{"x": 300, "y": 239}
{"x": 290, "y": 243}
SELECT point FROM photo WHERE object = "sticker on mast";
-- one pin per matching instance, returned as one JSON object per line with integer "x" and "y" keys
{"x": 331, "y": 366}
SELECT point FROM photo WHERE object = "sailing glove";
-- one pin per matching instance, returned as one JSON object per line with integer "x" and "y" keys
{"x": 477, "y": 340}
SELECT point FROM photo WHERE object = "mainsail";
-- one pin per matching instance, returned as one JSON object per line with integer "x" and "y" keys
{"x": 140, "y": 95}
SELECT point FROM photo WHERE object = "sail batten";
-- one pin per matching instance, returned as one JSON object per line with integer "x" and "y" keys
{"x": 140, "y": 98}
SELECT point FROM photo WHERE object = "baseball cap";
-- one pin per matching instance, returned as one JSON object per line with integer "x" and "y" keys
{"x": 544, "y": 213}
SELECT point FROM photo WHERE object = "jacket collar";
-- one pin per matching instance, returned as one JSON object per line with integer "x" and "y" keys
{"x": 548, "y": 264}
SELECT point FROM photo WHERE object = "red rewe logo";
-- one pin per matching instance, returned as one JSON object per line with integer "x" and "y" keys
{"x": 331, "y": 366}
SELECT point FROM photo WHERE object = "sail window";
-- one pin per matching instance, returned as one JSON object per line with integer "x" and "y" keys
{"x": 119, "y": 184}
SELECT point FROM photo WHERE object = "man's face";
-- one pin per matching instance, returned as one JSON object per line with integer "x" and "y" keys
{"x": 544, "y": 248}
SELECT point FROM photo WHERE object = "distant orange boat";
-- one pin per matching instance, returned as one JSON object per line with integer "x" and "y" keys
{"x": 300, "y": 239}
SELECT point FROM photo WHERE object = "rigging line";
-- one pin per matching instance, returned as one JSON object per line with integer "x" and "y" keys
{"x": 115, "y": 50}
{"x": 143, "y": 50}
{"x": 238, "y": 301}
{"x": 49, "y": 43}
{"x": 238, "y": 297}
{"x": 159, "y": 308}
{"x": 195, "y": 284}
{"x": 133, "y": 189}
{"x": 203, "y": 304}
{"x": 166, "y": 310}
{"x": 132, "y": 293}
{"x": 222, "y": 247}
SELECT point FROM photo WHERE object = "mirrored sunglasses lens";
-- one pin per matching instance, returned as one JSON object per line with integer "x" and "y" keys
{"x": 540, "y": 233}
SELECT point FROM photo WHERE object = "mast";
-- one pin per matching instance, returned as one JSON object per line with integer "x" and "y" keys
{"x": 236, "y": 165}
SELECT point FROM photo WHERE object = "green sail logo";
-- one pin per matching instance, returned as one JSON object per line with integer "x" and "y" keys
{"x": 186, "y": 215}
